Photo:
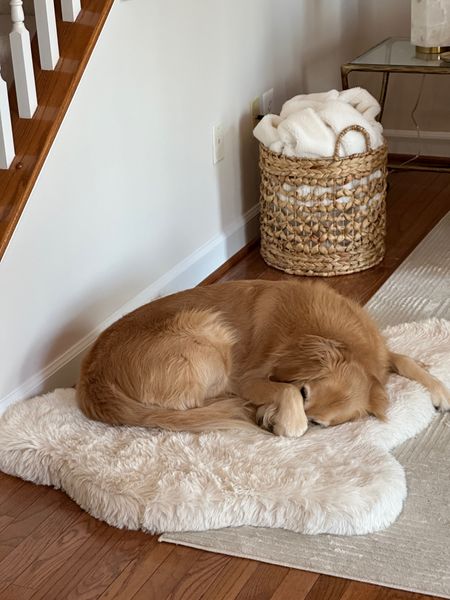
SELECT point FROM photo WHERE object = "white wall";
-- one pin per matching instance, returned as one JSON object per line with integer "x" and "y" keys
{"x": 128, "y": 204}
{"x": 5, "y": 8}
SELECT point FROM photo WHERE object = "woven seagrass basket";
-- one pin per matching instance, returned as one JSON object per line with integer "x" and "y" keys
{"x": 324, "y": 217}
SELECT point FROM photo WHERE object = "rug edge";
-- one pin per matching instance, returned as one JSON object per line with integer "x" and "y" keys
{"x": 166, "y": 538}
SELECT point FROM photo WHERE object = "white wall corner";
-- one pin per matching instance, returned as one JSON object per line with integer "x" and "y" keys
{"x": 426, "y": 143}
{"x": 63, "y": 371}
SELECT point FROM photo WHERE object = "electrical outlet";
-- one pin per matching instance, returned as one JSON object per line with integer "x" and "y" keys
{"x": 255, "y": 110}
{"x": 218, "y": 143}
{"x": 267, "y": 102}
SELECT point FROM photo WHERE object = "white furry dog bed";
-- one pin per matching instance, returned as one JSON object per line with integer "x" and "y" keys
{"x": 340, "y": 480}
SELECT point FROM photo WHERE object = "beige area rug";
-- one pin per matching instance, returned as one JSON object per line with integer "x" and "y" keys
{"x": 414, "y": 553}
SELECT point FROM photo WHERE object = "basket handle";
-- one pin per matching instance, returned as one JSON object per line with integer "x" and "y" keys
{"x": 346, "y": 130}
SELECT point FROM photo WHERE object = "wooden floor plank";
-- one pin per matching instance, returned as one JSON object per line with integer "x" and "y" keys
{"x": 111, "y": 565}
{"x": 328, "y": 588}
{"x": 138, "y": 571}
{"x": 57, "y": 553}
{"x": 34, "y": 544}
{"x": 231, "y": 579}
{"x": 31, "y": 517}
{"x": 20, "y": 499}
{"x": 8, "y": 485}
{"x": 5, "y": 521}
{"x": 263, "y": 582}
{"x": 358, "y": 589}
{"x": 236, "y": 259}
{"x": 168, "y": 574}
{"x": 60, "y": 582}
{"x": 16, "y": 592}
{"x": 295, "y": 586}
{"x": 253, "y": 268}
{"x": 200, "y": 577}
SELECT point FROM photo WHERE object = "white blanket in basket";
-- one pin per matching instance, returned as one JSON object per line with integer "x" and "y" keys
{"x": 309, "y": 124}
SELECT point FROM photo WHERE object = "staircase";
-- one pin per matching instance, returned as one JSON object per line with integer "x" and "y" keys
{"x": 44, "y": 48}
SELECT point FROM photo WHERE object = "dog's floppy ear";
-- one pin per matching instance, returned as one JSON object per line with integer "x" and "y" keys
{"x": 308, "y": 358}
{"x": 378, "y": 400}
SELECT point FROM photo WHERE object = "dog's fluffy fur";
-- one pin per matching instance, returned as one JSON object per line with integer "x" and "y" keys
{"x": 230, "y": 355}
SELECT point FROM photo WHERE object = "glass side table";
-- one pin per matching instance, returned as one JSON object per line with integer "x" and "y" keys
{"x": 396, "y": 55}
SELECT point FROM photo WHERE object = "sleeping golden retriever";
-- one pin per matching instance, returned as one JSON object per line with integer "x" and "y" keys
{"x": 236, "y": 354}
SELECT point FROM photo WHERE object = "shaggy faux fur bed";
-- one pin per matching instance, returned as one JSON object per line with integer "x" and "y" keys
{"x": 341, "y": 480}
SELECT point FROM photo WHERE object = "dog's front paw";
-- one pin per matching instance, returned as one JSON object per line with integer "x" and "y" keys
{"x": 285, "y": 417}
{"x": 440, "y": 396}
{"x": 290, "y": 429}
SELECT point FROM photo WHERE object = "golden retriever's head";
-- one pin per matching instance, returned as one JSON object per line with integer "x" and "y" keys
{"x": 334, "y": 384}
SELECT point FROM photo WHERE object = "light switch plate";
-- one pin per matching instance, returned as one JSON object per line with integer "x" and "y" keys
{"x": 218, "y": 143}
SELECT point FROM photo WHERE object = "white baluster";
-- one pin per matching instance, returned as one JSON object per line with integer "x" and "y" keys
{"x": 6, "y": 137}
{"x": 70, "y": 9}
{"x": 19, "y": 38}
{"x": 46, "y": 32}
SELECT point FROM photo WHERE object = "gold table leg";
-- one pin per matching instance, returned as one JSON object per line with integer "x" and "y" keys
{"x": 344, "y": 77}
{"x": 384, "y": 86}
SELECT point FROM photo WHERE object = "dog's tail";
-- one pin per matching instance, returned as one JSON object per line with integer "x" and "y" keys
{"x": 114, "y": 407}
{"x": 408, "y": 367}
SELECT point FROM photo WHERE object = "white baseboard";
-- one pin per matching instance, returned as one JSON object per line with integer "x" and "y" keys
{"x": 63, "y": 371}
{"x": 430, "y": 143}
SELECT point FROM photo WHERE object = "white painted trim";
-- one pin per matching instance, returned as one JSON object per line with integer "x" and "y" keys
{"x": 62, "y": 372}
{"x": 7, "y": 151}
{"x": 406, "y": 141}
{"x": 70, "y": 9}
{"x": 47, "y": 35}
{"x": 19, "y": 40}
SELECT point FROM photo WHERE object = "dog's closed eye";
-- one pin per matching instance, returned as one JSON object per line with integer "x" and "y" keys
{"x": 305, "y": 392}
{"x": 320, "y": 423}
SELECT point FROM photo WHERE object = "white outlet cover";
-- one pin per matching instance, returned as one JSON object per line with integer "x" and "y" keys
{"x": 267, "y": 102}
{"x": 218, "y": 143}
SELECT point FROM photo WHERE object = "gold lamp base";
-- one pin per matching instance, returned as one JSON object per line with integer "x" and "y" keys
{"x": 431, "y": 52}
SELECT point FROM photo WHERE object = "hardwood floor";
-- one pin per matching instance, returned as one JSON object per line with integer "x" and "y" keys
{"x": 50, "y": 549}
